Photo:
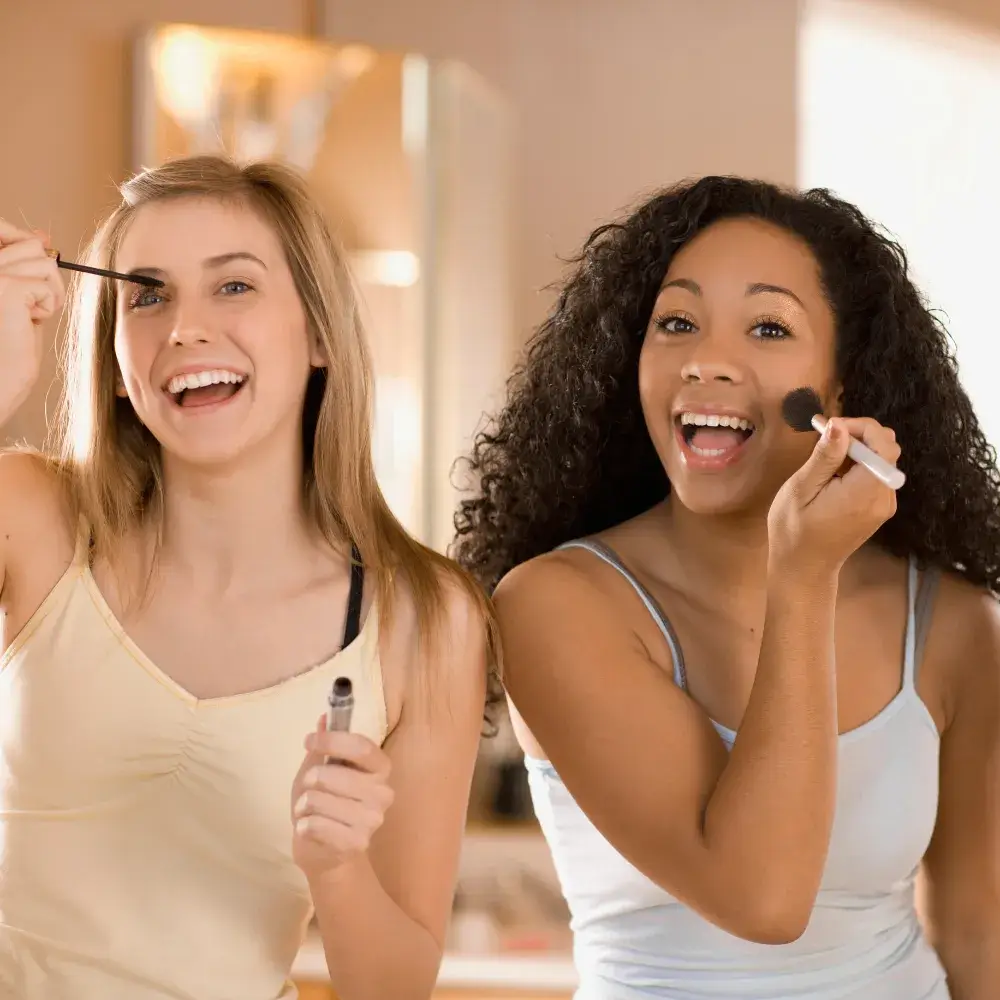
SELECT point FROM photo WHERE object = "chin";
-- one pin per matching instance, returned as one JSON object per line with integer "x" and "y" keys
{"x": 205, "y": 455}
{"x": 740, "y": 489}
{"x": 716, "y": 501}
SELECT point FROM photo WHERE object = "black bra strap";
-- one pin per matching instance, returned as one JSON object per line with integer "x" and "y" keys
{"x": 352, "y": 624}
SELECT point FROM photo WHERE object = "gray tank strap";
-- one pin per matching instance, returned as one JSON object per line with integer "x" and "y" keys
{"x": 608, "y": 555}
{"x": 923, "y": 613}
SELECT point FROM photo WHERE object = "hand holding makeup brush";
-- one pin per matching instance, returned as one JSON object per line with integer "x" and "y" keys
{"x": 821, "y": 517}
{"x": 31, "y": 291}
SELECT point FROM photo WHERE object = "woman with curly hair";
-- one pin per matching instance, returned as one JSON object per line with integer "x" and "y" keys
{"x": 756, "y": 697}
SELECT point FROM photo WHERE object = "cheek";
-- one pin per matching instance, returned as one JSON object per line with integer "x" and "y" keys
{"x": 657, "y": 385}
{"x": 128, "y": 354}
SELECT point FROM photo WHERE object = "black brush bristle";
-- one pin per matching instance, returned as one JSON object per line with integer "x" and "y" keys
{"x": 799, "y": 407}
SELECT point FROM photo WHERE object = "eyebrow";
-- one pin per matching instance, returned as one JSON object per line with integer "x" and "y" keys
{"x": 757, "y": 288}
{"x": 208, "y": 263}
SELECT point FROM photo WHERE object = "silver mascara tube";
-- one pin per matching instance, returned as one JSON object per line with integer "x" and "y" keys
{"x": 340, "y": 707}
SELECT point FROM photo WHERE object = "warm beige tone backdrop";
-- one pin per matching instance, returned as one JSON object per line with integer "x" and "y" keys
{"x": 612, "y": 96}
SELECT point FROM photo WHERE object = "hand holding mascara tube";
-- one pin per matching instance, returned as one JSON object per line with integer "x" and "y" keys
{"x": 337, "y": 808}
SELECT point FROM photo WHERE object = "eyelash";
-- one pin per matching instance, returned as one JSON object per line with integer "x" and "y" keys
{"x": 137, "y": 302}
{"x": 661, "y": 324}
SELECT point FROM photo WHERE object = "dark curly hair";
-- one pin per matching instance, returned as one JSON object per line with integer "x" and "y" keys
{"x": 569, "y": 453}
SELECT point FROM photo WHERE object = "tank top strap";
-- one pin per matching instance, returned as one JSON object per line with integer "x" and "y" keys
{"x": 922, "y": 590}
{"x": 608, "y": 555}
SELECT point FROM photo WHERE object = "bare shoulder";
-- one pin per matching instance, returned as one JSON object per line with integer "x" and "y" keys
{"x": 568, "y": 597}
{"x": 573, "y": 632}
{"x": 963, "y": 645}
{"x": 436, "y": 660}
{"x": 558, "y": 578}
{"x": 37, "y": 536}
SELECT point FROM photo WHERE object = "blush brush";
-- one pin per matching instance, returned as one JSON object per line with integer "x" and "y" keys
{"x": 803, "y": 411}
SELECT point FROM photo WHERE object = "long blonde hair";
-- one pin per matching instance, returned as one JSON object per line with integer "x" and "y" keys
{"x": 113, "y": 464}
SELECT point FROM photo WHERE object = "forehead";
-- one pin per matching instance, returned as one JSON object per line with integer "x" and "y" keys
{"x": 748, "y": 250}
{"x": 183, "y": 232}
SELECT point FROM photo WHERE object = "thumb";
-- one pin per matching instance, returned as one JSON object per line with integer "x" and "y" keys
{"x": 822, "y": 465}
{"x": 312, "y": 757}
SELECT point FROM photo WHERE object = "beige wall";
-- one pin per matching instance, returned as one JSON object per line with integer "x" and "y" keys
{"x": 613, "y": 97}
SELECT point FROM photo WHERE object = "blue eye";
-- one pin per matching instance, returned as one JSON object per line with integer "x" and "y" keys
{"x": 143, "y": 297}
{"x": 236, "y": 288}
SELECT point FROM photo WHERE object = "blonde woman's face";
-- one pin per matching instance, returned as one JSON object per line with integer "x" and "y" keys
{"x": 217, "y": 360}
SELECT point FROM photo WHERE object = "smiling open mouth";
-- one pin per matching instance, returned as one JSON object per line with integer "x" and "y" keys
{"x": 711, "y": 435}
{"x": 205, "y": 388}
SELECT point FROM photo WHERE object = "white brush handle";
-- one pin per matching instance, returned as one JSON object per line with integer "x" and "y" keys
{"x": 882, "y": 470}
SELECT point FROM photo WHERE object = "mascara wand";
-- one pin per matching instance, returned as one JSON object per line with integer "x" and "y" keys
{"x": 138, "y": 279}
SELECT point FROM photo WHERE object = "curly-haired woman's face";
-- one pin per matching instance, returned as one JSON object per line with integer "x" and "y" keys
{"x": 741, "y": 319}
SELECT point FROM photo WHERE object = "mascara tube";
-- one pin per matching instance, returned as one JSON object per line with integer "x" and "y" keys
{"x": 339, "y": 707}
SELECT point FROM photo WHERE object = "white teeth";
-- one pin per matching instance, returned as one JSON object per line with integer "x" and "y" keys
{"x": 195, "y": 380}
{"x": 715, "y": 420}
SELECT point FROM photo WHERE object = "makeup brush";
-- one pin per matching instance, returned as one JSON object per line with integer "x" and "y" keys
{"x": 138, "y": 279}
{"x": 803, "y": 411}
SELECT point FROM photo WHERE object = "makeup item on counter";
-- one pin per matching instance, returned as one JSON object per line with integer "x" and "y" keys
{"x": 138, "y": 279}
{"x": 803, "y": 411}
{"x": 340, "y": 706}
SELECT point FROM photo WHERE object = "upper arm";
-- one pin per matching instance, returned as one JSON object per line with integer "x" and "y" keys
{"x": 962, "y": 865}
{"x": 433, "y": 751}
{"x": 32, "y": 515}
{"x": 638, "y": 756}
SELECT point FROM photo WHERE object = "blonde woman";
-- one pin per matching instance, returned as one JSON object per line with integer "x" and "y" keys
{"x": 179, "y": 594}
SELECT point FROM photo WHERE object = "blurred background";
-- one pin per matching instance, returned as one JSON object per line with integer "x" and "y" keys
{"x": 462, "y": 147}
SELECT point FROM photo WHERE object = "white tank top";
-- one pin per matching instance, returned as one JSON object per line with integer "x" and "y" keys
{"x": 633, "y": 941}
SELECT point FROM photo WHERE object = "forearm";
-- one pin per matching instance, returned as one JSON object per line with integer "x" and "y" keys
{"x": 972, "y": 965}
{"x": 770, "y": 815}
{"x": 373, "y": 949}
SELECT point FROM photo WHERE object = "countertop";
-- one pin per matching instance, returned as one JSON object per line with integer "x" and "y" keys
{"x": 520, "y": 971}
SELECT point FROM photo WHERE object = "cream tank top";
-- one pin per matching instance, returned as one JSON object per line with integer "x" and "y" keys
{"x": 633, "y": 941}
{"x": 145, "y": 834}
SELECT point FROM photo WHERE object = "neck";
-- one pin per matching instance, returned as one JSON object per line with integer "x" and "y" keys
{"x": 725, "y": 550}
{"x": 226, "y": 527}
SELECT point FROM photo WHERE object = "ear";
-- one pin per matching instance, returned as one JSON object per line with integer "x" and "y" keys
{"x": 120, "y": 391}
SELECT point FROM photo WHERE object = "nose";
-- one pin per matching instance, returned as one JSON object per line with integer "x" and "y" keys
{"x": 704, "y": 369}
{"x": 189, "y": 328}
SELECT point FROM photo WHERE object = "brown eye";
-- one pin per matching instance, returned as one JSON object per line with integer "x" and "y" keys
{"x": 674, "y": 324}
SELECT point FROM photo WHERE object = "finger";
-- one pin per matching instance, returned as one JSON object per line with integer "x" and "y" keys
{"x": 366, "y": 815}
{"x": 348, "y": 782}
{"x": 312, "y": 758}
{"x": 23, "y": 250}
{"x": 9, "y": 233}
{"x": 866, "y": 490}
{"x": 881, "y": 439}
{"x": 332, "y": 833}
{"x": 30, "y": 267}
{"x": 822, "y": 465}
{"x": 351, "y": 748}
{"x": 38, "y": 295}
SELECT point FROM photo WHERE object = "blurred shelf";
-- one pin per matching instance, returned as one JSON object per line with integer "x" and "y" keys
{"x": 515, "y": 972}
